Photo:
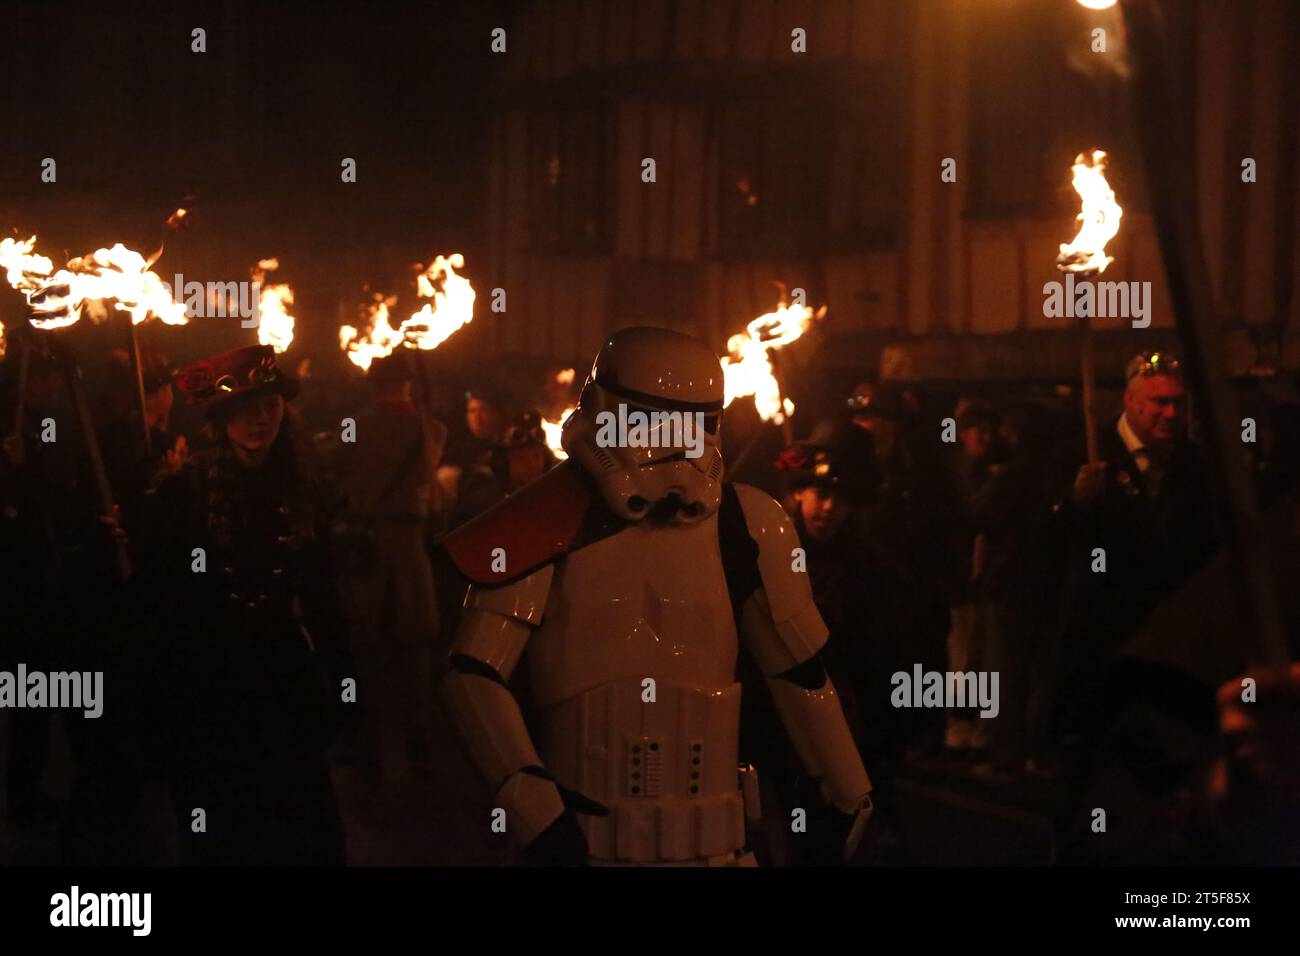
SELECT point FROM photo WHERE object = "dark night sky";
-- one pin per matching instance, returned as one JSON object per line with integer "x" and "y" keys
{"x": 115, "y": 93}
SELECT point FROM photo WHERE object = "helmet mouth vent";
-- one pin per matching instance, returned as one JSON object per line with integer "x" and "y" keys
{"x": 672, "y": 505}
{"x": 637, "y": 504}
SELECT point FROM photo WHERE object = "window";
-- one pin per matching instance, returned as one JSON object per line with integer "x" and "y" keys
{"x": 567, "y": 181}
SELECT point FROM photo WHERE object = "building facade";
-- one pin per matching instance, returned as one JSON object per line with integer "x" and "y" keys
{"x": 802, "y": 143}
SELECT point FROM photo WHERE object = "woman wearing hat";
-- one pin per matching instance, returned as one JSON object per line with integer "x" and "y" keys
{"x": 234, "y": 551}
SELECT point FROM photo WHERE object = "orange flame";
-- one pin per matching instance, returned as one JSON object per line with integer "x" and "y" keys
{"x": 1098, "y": 217}
{"x": 451, "y": 307}
{"x": 274, "y": 324}
{"x": 57, "y": 297}
{"x": 747, "y": 369}
{"x": 379, "y": 339}
{"x": 553, "y": 430}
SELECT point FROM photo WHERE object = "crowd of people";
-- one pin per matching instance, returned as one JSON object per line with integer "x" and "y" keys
{"x": 999, "y": 547}
{"x": 256, "y": 578}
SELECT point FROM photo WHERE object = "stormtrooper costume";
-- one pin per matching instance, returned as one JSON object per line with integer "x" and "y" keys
{"x": 630, "y": 576}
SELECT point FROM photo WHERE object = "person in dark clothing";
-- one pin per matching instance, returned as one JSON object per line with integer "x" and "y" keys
{"x": 466, "y": 480}
{"x": 908, "y": 521}
{"x": 33, "y": 495}
{"x": 387, "y": 476}
{"x": 1136, "y": 526}
{"x": 1022, "y": 577}
{"x": 1145, "y": 504}
{"x": 828, "y": 479}
{"x": 1275, "y": 455}
{"x": 132, "y": 469}
{"x": 521, "y": 456}
{"x": 976, "y": 619}
{"x": 69, "y": 608}
{"x": 247, "y": 625}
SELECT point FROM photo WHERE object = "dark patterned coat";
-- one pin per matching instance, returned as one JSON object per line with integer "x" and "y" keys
{"x": 243, "y": 649}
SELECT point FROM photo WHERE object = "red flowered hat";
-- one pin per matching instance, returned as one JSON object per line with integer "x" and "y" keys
{"x": 240, "y": 373}
{"x": 838, "y": 456}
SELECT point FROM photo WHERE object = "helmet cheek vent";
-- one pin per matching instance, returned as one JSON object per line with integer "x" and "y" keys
{"x": 715, "y": 470}
{"x": 605, "y": 459}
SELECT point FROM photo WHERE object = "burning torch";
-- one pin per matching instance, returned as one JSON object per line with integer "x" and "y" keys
{"x": 1085, "y": 257}
{"x": 55, "y": 299}
{"x": 553, "y": 428}
{"x": 750, "y": 366}
{"x": 448, "y": 307}
{"x": 171, "y": 225}
{"x": 274, "y": 323}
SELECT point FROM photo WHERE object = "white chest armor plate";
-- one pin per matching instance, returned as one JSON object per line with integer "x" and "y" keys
{"x": 646, "y": 603}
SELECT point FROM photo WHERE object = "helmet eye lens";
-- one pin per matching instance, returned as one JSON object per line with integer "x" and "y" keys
{"x": 711, "y": 422}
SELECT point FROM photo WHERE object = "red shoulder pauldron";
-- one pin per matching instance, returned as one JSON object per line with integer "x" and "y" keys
{"x": 536, "y": 525}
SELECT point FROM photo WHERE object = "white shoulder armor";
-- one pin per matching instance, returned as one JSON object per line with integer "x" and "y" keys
{"x": 787, "y": 595}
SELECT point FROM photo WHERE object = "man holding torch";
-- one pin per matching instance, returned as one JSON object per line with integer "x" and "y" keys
{"x": 387, "y": 477}
{"x": 1137, "y": 521}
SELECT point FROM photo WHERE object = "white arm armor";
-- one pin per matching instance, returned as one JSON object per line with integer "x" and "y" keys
{"x": 494, "y": 628}
{"x": 782, "y": 629}
{"x": 789, "y": 608}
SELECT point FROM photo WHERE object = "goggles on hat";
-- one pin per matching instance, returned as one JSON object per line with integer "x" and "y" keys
{"x": 1151, "y": 363}
{"x": 260, "y": 374}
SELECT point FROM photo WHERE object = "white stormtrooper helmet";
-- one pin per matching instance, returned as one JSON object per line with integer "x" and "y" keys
{"x": 677, "y": 474}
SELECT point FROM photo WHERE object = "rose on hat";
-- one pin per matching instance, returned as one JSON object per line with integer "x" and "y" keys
{"x": 239, "y": 373}
{"x": 794, "y": 458}
{"x": 838, "y": 456}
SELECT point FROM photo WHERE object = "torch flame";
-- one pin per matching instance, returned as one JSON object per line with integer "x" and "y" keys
{"x": 380, "y": 338}
{"x": 274, "y": 324}
{"x": 1098, "y": 217}
{"x": 57, "y": 297}
{"x": 452, "y": 307}
{"x": 24, "y": 270}
{"x": 747, "y": 369}
{"x": 554, "y": 429}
